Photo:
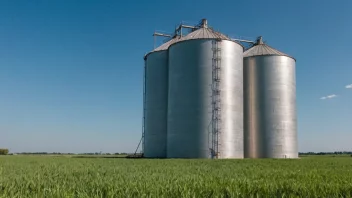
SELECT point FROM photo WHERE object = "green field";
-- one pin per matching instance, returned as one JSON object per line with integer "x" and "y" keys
{"x": 40, "y": 176}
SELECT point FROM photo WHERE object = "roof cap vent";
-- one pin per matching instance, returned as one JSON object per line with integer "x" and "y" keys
{"x": 204, "y": 23}
{"x": 260, "y": 40}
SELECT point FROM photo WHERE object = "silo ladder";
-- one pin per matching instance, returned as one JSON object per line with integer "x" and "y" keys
{"x": 216, "y": 98}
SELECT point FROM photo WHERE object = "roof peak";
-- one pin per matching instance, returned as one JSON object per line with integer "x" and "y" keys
{"x": 204, "y": 33}
{"x": 204, "y": 23}
{"x": 260, "y": 41}
{"x": 261, "y": 49}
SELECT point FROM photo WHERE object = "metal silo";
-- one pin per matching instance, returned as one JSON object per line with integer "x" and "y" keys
{"x": 270, "y": 123}
{"x": 155, "y": 101}
{"x": 205, "y": 103}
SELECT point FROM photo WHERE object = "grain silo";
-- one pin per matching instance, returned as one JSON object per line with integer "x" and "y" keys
{"x": 270, "y": 127}
{"x": 155, "y": 101}
{"x": 205, "y": 101}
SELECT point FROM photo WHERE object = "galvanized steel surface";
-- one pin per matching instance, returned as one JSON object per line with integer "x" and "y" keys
{"x": 190, "y": 104}
{"x": 231, "y": 136}
{"x": 156, "y": 88}
{"x": 270, "y": 127}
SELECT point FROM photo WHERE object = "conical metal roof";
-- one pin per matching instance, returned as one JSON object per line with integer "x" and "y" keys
{"x": 204, "y": 33}
{"x": 262, "y": 49}
{"x": 164, "y": 46}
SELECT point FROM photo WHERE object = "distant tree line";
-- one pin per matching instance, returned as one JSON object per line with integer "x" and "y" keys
{"x": 4, "y": 151}
{"x": 327, "y": 153}
{"x": 103, "y": 154}
{"x": 59, "y": 153}
{"x": 44, "y": 153}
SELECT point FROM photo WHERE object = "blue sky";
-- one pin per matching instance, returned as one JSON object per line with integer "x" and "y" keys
{"x": 71, "y": 71}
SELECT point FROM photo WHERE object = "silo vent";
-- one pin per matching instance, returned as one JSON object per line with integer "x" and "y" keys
{"x": 204, "y": 23}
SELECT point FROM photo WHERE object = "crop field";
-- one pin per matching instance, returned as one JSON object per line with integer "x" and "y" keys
{"x": 48, "y": 176}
